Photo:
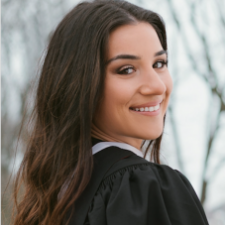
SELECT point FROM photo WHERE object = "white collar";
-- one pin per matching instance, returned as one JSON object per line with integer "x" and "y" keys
{"x": 102, "y": 145}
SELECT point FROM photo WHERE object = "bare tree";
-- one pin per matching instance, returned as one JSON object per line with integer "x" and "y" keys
{"x": 26, "y": 26}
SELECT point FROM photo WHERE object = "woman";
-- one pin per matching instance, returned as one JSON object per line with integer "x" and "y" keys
{"x": 104, "y": 89}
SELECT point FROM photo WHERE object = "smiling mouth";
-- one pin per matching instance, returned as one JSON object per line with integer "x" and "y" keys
{"x": 147, "y": 109}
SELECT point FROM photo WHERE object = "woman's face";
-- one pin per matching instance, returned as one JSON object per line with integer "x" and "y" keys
{"x": 137, "y": 87}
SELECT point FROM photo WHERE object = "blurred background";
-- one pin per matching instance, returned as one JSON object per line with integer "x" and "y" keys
{"x": 194, "y": 136}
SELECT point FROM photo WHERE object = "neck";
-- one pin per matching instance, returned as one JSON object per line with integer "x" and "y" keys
{"x": 135, "y": 142}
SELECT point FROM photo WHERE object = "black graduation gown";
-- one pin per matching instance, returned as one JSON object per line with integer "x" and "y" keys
{"x": 139, "y": 192}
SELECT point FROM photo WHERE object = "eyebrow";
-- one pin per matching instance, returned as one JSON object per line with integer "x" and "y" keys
{"x": 161, "y": 53}
{"x": 127, "y": 56}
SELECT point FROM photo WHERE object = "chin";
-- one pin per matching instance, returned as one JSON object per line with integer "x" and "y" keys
{"x": 155, "y": 136}
{"x": 152, "y": 135}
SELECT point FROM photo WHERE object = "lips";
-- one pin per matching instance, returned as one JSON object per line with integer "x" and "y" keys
{"x": 148, "y": 104}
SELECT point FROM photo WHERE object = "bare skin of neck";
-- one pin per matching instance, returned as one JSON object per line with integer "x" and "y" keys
{"x": 97, "y": 133}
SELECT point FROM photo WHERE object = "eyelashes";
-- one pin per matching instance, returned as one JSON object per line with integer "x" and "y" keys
{"x": 162, "y": 62}
{"x": 126, "y": 70}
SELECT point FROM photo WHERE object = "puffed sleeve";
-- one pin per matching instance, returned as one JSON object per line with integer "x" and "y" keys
{"x": 146, "y": 194}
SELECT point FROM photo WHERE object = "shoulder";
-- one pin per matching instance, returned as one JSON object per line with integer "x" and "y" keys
{"x": 140, "y": 175}
{"x": 133, "y": 166}
{"x": 136, "y": 191}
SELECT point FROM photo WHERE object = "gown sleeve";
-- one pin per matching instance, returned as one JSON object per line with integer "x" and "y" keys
{"x": 146, "y": 194}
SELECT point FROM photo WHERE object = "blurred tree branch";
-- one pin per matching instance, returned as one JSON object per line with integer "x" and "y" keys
{"x": 27, "y": 24}
{"x": 210, "y": 78}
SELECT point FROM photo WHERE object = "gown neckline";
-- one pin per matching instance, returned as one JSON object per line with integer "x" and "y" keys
{"x": 99, "y": 145}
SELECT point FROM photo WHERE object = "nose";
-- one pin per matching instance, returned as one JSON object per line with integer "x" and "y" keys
{"x": 152, "y": 83}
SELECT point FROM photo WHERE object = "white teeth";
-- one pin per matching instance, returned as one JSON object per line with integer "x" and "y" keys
{"x": 157, "y": 107}
{"x": 151, "y": 109}
{"x": 148, "y": 109}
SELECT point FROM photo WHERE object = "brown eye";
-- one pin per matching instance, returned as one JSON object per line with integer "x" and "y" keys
{"x": 126, "y": 70}
{"x": 160, "y": 64}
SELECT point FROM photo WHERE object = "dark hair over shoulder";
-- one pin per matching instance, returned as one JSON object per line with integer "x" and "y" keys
{"x": 68, "y": 92}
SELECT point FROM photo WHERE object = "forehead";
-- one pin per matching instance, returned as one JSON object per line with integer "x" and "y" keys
{"x": 139, "y": 39}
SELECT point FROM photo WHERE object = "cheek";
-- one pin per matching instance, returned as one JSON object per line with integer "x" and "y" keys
{"x": 117, "y": 94}
{"x": 169, "y": 85}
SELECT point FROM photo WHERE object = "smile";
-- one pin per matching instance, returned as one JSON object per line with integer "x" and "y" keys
{"x": 147, "y": 109}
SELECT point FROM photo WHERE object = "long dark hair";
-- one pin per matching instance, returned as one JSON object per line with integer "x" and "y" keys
{"x": 68, "y": 93}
